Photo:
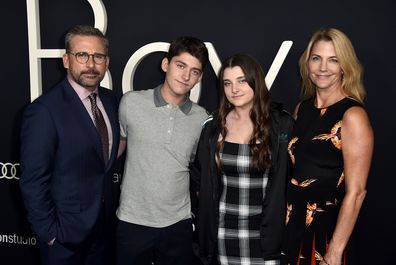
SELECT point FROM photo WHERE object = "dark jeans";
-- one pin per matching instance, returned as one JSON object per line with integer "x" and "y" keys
{"x": 142, "y": 245}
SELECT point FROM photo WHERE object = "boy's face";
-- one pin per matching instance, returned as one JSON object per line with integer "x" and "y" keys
{"x": 183, "y": 72}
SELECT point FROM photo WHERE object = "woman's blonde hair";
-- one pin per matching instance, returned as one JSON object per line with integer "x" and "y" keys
{"x": 352, "y": 79}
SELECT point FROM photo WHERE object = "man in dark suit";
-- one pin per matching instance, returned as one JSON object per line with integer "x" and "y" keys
{"x": 69, "y": 139}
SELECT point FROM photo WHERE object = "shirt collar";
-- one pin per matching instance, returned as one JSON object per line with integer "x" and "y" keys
{"x": 159, "y": 101}
{"x": 82, "y": 92}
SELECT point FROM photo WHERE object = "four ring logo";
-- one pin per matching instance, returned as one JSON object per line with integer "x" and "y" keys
{"x": 9, "y": 170}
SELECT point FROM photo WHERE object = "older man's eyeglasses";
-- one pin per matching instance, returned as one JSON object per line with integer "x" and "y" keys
{"x": 83, "y": 57}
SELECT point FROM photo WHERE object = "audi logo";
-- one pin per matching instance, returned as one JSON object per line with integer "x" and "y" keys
{"x": 9, "y": 170}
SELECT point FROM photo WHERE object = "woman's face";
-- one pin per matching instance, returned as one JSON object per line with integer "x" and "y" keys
{"x": 323, "y": 66}
{"x": 236, "y": 88}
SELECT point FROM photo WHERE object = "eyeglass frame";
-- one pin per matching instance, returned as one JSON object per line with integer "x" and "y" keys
{"x": 76, "y": 54}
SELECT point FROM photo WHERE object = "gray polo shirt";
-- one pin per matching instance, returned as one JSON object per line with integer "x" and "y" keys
{"x": 161, "y": 141}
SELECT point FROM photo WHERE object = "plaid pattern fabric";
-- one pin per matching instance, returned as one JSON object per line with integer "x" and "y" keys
{"x": 240, "y": 208}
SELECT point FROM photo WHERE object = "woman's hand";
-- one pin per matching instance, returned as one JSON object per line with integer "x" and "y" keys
{"x": 330, "y": 259}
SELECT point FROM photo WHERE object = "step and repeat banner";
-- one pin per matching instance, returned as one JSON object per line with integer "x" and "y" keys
{"x": 274, "y": 32}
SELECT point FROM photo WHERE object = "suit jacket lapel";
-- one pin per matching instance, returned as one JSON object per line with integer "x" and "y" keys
{"x": 80, "y": 113}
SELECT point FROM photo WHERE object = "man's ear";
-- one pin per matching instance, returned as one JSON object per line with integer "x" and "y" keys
{"x": 65, "y": 59}
{"x": 165, "y": 64}
{"x": 107, "y": 62}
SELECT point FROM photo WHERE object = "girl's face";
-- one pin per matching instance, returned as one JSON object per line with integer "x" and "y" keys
{"x": 236, "y": 88}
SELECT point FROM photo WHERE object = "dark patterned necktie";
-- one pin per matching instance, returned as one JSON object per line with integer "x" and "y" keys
{"x": 100, "y": 126}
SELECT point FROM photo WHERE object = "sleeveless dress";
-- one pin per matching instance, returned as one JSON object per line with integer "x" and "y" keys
{"x": 316, "y": 188}
{"x": 240, "y": 208}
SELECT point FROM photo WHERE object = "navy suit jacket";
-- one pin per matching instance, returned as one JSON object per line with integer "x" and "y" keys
{"x": 64, "y": 180}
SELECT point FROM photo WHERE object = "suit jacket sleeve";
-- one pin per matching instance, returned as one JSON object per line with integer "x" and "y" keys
{"x": 38, "y": 149}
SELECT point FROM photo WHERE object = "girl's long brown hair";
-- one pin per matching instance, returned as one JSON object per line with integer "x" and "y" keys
{"x": 259, "y": 114}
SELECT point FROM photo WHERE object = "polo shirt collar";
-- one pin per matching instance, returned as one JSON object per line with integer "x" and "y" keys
{"x": 159, "y": 101}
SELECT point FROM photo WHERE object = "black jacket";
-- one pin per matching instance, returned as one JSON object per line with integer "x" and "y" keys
{"x": 206, "y": 189}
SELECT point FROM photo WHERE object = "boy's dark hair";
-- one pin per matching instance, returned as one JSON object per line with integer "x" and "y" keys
{"x": 192, "y": 45}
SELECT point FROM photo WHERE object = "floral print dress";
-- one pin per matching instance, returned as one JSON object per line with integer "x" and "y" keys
{"x": 316, "y": 187}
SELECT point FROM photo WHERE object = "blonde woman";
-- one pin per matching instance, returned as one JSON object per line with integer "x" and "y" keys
{"x": 331, "y": 150}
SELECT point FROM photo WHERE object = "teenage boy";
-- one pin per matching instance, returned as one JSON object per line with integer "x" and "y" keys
{"x": 160, "y": 128}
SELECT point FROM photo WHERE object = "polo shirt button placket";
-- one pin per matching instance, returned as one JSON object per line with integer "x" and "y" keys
{"x": 171, "y": 120}
{"x": 170, "y": 125}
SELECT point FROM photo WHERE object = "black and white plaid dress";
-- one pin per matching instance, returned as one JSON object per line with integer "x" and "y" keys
{"x": 240, "y": 208}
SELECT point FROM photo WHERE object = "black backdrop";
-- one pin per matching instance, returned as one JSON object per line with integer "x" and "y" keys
{"x": 255, "y": 27}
